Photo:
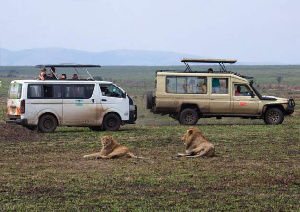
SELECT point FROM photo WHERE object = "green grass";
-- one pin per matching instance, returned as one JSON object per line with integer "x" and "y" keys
{"x": 256, "y": 166}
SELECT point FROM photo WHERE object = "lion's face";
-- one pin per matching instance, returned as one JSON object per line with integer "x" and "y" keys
{"x": 191, "y": 134}
{"x": 184, "y": 138}
{"x": 106, "y": 141}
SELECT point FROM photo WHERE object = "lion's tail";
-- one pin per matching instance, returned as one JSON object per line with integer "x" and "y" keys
{"x": 134, "y": 156}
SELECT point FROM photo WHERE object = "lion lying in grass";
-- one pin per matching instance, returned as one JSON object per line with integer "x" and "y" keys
{"x": 111, "y": 149}
{"x": 196, "y": 144}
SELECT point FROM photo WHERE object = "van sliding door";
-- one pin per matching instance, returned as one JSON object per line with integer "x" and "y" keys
{"x": 79, "y": 107}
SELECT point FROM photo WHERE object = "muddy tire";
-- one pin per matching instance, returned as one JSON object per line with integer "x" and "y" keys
{"x": 149, "y": 103}
{"x": 274, "y": 116}
{"x": 111, "y": 122}
{"x": 47, "y": 123}
{"x": 188, "y": 117}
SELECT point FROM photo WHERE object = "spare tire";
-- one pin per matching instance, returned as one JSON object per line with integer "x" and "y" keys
{"x": 149, "y": 103}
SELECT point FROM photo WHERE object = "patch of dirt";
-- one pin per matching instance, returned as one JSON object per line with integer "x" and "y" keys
{"x": 18, "y": 133}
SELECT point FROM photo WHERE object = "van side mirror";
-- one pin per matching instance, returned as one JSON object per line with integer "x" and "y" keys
{"x": 124, "y": 95}
{"x": 252, "y": 94}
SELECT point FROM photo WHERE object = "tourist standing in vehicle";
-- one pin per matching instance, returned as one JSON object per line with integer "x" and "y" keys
{"x": 75, "y": 77}
{"x": 63, "y": 77}
{"x": 43, "y": 74}
{"x": 215, "y": 82}
{"x": 52, "y": 76}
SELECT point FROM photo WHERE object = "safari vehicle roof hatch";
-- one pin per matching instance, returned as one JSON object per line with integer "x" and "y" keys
{"x": 221, "y": 62}
{"x": 194, "y": 60}
{"x": 75, "y": 66}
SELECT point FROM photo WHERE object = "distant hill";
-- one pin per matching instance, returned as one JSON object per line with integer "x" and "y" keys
{"x": 31, "y": 57}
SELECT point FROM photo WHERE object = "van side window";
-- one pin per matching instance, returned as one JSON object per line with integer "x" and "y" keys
{"x": 171, "y": 84}
{"x": 111, "y": 91}
{"x": 48, "y": 91}
{"x": 57, "y": 94}
{"x": 241, "y": 90}
{"x": 78, "y": 91}
{"x": 190, "y": 85}
{"x": 219, "y": 86}
{"x": 34, "y": 91}
{"x": 44, "y": 91}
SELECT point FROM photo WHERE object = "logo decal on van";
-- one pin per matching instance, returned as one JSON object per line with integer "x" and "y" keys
{"x": 78, "y": 102}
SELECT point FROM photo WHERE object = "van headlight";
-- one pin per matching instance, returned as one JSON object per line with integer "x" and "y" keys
{"x": 132, "y": 107}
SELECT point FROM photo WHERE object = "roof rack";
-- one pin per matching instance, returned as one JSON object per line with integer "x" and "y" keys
{"x": 70, "y": 65}
{"x": 195, "y": 60}
{"x": 219, "y": 61}
{"x": 65, "y": 65}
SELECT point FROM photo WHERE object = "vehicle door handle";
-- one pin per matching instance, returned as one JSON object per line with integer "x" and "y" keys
{"x": 103, "y": 100}
{"x": 212, "y": 99}
{"x": 237, "y": 100}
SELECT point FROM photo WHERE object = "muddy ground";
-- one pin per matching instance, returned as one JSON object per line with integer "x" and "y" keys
{"x": 18, "y": 133}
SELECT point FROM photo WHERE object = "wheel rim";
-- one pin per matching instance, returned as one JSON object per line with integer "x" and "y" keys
{"x": 111, "y": 123}
{"x": 189, "y": 117}
{"x": 274, "y": 117}
{"x": 48, "y": 124}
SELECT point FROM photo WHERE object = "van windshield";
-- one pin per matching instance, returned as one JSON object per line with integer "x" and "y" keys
{"x": 15, "y": 91}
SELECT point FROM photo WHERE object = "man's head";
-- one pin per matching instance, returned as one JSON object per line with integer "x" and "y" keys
{"x": 43, "y": 71}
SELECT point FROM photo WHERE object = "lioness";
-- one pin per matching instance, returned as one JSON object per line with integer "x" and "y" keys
{"x": 196, "y": 144}
{"x": 111, "y": 149}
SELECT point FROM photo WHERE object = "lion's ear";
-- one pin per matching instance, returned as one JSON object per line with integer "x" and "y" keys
{"x": 190, "y": 131}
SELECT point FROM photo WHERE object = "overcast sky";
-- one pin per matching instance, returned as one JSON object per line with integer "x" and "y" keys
{"x": 246, "y": 30}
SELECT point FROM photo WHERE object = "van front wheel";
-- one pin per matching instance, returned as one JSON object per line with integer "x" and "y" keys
{"x": 47, "y": 123}
{"x": 188, "y": 116}
{"x": 111, "y": 122}
{"x": 274, "y": 116}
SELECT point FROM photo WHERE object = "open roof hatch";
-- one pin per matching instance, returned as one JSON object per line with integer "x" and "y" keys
{"x": 75, "y": 66}
{"x": 219, "y": 61}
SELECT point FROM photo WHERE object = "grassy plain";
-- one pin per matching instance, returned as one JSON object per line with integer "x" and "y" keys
{"x": 256, "y": 167}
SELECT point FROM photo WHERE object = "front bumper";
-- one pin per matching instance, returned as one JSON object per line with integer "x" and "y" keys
{"x": 132, "y": 116}
{"x": 291, "y": 107}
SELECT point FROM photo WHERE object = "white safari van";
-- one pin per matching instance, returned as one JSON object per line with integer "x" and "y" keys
{"x": 46, "y": 104}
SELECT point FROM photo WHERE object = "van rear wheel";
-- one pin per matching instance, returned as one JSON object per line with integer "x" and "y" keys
{"x": 47, "y": 123}
{"x": 188, "y": 116}
{"x": 111, "y": 122}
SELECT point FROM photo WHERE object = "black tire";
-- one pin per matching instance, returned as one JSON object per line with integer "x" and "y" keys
{"x": 149, "y": 103}
{"x": 188, "y": 116}
{"x": 111, "y": 122}
{"x": 95, "y": 128}
{"x": 274, "y": 116}
{"x": 47, "y": 123}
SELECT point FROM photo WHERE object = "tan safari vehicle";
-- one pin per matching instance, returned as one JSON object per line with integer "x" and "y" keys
{"x": 190, "y": 95}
